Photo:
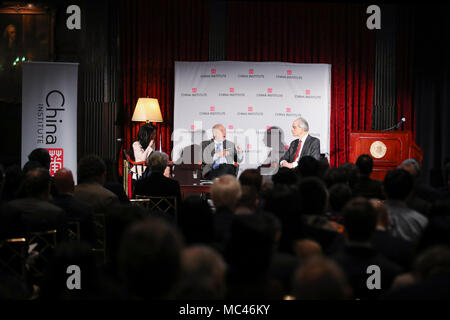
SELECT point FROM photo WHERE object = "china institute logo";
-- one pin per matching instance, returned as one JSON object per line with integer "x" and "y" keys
{"x": 194, "y": 93}
{"x": 251, "y": 75}
{"x": 270, "y": 92}
{"x": 289, "y": 74}
{"x": 213, "y": 74}
{"x": 306, "y": 94}
{"x": 232, "y": 92}
{"x": 56, "y": 159}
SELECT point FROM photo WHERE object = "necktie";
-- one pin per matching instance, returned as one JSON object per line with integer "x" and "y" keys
{"x": 298, "y": 149}
{"x": 219, "y": 147}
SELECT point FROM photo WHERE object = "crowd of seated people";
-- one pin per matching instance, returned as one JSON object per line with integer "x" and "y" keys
{"x": 313, "y": 232}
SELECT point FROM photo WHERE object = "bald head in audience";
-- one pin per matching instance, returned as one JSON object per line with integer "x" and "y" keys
{"x": 320, "y": 279}
{"x": 64, "y": 182}
{"x": 307, "y": 248}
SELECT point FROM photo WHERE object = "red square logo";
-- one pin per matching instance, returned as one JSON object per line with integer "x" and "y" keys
{"x": 231, "y": 127}
{"x": 269, "y": 127}
{"x": 249, "y": 146}
{"x": 56, "y": 160}
{"x": 212, "y": 108}
{"x": 194, "y": 90}
{"x": 192, "y": 127}
{"x": 269, "y": 90}
{"x": 288, "y": 109}
{"x": 308, "y": 91}
{"x": 250, "y": 108}
{"x": 289, "y": 72}
{"x": 250, "y": 71}
{"x": 213, "y": 71}
{"x": 231, "y": 90}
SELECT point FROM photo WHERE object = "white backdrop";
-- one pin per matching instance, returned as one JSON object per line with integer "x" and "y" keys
{"x": 248, "y": 98}
{"x": 49, "y": 112}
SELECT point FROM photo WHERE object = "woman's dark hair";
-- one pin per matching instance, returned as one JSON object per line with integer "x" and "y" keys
{"x": 145, "y": 133}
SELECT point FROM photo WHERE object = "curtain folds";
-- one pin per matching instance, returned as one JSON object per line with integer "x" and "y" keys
{"x": 154, "y": 34}
{"x": 335, "y": 34}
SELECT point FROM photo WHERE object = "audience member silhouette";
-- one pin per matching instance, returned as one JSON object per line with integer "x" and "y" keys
{"x": 360, "y": 219}
{"x": 150, "y": 260}
{"x": 76, "y": 211}
{"x": 367, "y": 187}
{"x": 405, "y": 223}
{"x": 225, "y": 193}
{"x": 90, "y": 190}
{"x": 196, "y": 221}
{"x": 321, "y": 279}
{"x": 34, "y": 212}
{"x": 203, "y": 274}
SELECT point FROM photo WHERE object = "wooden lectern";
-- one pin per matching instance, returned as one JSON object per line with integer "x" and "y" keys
{"x": 387, "y": 148}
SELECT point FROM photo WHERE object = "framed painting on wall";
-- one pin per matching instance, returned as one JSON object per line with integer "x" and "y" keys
{"x": 27, "y": 34}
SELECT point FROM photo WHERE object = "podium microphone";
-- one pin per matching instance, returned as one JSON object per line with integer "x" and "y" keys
{"x": 397, "y": 125}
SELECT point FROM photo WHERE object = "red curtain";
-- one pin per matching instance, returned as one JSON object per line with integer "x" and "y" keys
{"x": 154, "y": 34}
{"x": 404, "y": 64}
{"x": 335, "y": 34}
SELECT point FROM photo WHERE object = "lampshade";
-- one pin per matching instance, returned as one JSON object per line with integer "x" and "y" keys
{"x": 147, "y": 109}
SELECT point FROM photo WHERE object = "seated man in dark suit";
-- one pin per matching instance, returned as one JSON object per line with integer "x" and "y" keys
{"x": 90, "y": 190}
{"x": 367, "y": 187}
{"x": 34, "y": 213}
{"x": 305, "y": 145}
{"x": 395, "y": 249}
{"x": 76, "y": 210}
{"x": 156, "y": 184}
{"x": 219, "y": 155}
{"x": 360, "y": 219}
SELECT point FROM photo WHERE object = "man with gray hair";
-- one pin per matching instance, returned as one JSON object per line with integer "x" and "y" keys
{"x": 305, "y": 145}
{"x": 225, "y": 193}
{"x": 156, "y": 184}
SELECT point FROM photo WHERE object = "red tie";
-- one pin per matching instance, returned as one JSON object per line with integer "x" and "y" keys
{"x": 298, "y": 149}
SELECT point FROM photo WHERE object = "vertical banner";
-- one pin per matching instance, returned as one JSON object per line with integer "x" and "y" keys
{"x": 49, "y": 112}
{"x": 250, "y": 99}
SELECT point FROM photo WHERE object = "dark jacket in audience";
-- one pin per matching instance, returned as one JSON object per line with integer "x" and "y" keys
{"x": 30, "y": 215}
{"x": 368, "y": 188}
{"x": 156, "y": 184}
{"x": 395, "y": 249}
{"x": 223, "y": 219}
{"x": 282, "y": 268}
{"x": 117, "y": 189}
{"x": 79, "y": 212}
{"x": 354, "y": 260}
{"x": 96, "y": 196}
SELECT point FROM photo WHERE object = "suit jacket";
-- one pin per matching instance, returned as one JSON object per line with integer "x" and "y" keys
{"x": 310, "y": 148}
{"x": 395, "y": 249}
{"x": 156, "y": 184}
{"x": 78, "y": 211}
{"x": 30, "y": 215}
{"x": 368, "y": 188}
{"x": 208, "y": 150}
{"x": 354, "y": 261}
{"x": 96, "y": 196}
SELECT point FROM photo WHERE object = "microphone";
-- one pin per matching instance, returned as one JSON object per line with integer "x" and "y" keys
{"x": 397, "y": 125}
